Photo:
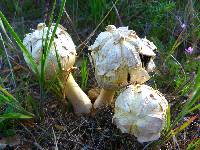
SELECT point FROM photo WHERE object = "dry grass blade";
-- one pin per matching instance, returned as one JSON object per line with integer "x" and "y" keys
{"x": 84, "y": 43}
{"x": 72, "y": 25}
{"x": 9, "y": 63}
{"x": 117, "y": 14}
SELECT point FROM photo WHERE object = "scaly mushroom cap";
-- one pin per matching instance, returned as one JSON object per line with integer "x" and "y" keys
{"x": 116, "y": 57}
{"x": 141, "y": 110}
{"x": 146, "y": 54}
{"x": 62, "y": 49}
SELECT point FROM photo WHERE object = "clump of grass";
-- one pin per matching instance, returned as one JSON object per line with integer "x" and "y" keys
{"x": 97, "y": 8}
{"x": 7, "y": 98}
{"x": 12, "y": 111}
{"x": 84, "y": 73}
{"x": 173, "y": 128}
{"x": 47, "y": 46}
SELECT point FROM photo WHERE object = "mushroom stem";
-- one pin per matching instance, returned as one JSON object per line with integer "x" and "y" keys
{"x": 105, "y": 98}
{"x": 80, "y": 101}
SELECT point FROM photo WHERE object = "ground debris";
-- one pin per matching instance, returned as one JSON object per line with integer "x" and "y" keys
{"x": 72, "y": 132}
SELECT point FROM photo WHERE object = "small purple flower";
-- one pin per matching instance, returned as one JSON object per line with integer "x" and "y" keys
{"x": 189, "y": 50}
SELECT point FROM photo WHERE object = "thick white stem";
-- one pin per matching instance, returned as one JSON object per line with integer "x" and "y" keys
{"x": 80, "y": 101}
{"x": 105, "y": 98}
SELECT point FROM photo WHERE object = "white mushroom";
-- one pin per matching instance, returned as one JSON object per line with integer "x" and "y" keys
{"x": 141, "y": 110}
{"x": 146, "y": 54}
{"x": 61, "y": 51}
{"x": 116, "y": 54}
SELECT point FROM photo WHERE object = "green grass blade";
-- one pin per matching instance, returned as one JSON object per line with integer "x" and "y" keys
{"x": 197, "y": 80}
{"x": 194, "y": 108}
{"x": 49, "y": 25}
{"x": 58, "y": 59}
{"x": 194, "y": 145}
{"x": 4, "y": 91}
{"x": 84, "y": 73}
{"x": 45, "y": 47}
{"x": 6, "y": 97}
{"x": 14, "y": 104}
{"x": 19, "y": 43}
{"x": 170, "y": 133}
{"x": 48, "y": 45}
{"x": 188, "y": 106}
{"x": 15, "y": 116}
{"x": 184, "y": 125}
{"x": 168, "y": 118}
{"x": 56, "y": 25}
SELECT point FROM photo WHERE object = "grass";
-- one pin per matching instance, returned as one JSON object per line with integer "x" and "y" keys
{"x": 9, "y": 63}
{"x": 13, "y": 111}
{"x": 84, "y": 73}
{"x": 47, "y": 45}
{"x": 160, "y": 21}
{"x": 97, "y": 9}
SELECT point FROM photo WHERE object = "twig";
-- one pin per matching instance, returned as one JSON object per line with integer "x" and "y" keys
{"x": 1, "y": 62}
{"x": 5, "y": 33}
{"x": 28, "y": 132}
{"x": 9, "y": 63}
{"x": 72, "y": 25}
{"x": 55, "y": 140}
{"x": 117, "y": 13}
{"x": 77, "y": 127}
{"x": 84, "y": 43}
{"x": 182, "y": 69}
{"x": 35, "y": 143}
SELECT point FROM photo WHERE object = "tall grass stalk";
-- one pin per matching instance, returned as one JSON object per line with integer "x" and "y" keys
{"x": 48, "y": 44}
{"x": 19, "y": 43}
{"x": 45, "y": 53}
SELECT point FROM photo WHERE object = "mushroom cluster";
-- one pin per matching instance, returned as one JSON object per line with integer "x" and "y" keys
{"x": 120, "y": 58}
{"x": 123, "y": 60}
{"x": 62, "y": 53}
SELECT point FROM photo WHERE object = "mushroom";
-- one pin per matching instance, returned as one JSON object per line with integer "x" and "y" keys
{"x": 146, "y": 54}
{"x": 60, "y": 61}
{"x": 141, "y": 110}
{"x": 120, "y": 58}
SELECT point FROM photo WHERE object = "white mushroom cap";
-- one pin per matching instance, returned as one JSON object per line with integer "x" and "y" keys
{"x": 116, "y": 58}
{"x": 141, "y": 110}
{"x": 62, "y": 43}
{"x": 103, "y": 37}
{"x": 147, "y": 47}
